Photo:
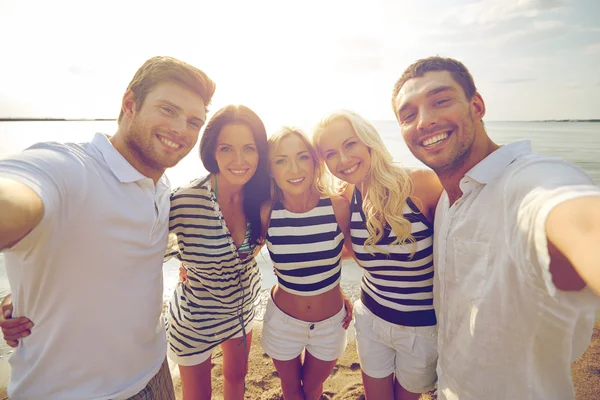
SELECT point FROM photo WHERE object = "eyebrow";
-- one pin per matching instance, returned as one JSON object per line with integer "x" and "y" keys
{"x": 176, "y": 107}
{"x": 432, "y": 92}
{"x": 298, "y": 153}
{"x": 227, "y": 144}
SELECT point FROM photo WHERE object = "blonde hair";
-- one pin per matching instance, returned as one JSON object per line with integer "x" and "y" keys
{"x": 388, "y": 185}
{"x": 320, "y": 181}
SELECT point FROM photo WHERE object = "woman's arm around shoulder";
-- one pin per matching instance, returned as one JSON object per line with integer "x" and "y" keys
{"x": 427, "y": 189}
{"x": 265, "y": 221}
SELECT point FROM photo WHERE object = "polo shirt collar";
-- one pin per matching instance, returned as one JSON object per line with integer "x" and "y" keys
{"x": 119, "y": 166}
{"x": 494, "y": 164}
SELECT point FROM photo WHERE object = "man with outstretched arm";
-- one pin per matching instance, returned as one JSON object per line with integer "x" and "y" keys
{"x": 83, "y": 228}
{"x": 516, "y": 245}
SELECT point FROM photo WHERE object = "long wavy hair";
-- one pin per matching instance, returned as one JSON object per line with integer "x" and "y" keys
{"x": 256, "y": 190}
{"x": 387, "y": 185}
{"x": 320, "y": 181}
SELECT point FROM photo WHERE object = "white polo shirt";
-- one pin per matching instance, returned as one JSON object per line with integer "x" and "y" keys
{"x": 89, "y": 275}
{"x": 505, "y": 331}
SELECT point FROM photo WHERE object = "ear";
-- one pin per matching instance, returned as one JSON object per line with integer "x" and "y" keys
{"x": 128, "y": 104}
{"x": 478, "y": 107}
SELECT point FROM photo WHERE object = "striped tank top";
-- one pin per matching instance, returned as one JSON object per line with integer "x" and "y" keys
{"x": 396, "y": 287}
{"x": 223, "y": 284}
{"x": 306, "y": 248}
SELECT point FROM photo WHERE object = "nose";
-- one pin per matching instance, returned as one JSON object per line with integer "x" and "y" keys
{"x": 239, "y": 157}
{"x": 343, "y": 157}
{"x": 178, "y": 124}
{"x": 294, "y": 167}
{"x": 427, "y": 119}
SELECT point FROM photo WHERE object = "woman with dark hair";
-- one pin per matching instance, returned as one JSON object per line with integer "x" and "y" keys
{"x": 215, "y": 228}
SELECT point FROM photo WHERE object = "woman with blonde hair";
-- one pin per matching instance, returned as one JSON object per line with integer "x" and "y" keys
{"x": 305, "y": 232}
{"x": 392, "y": 212}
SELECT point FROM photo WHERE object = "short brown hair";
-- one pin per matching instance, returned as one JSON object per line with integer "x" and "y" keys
{"x": 459, "y": 73}
{"x": 164, "y": 69}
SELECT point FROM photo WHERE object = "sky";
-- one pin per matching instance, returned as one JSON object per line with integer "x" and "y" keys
{"x": 295, "y": 61}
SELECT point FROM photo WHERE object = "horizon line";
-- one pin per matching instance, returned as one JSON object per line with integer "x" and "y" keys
{"x": 22, "y": 119}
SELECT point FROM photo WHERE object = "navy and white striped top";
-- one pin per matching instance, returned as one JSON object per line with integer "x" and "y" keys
{"x": 396, "y": 287}
{"x": 223, "y": 281}
{"x": 306, "y": 248}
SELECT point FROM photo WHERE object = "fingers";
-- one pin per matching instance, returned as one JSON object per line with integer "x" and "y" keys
{"x": 16, "y": 328}
{"x": 12, "y": 343}
{"x": 348, "y": 318}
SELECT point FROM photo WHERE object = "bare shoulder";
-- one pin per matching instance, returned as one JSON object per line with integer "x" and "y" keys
{"x": 427, "y": 189}
{"x": 340, "y": 203}
{"x": 341, "y": 209}
{"x": 347, "y": 193}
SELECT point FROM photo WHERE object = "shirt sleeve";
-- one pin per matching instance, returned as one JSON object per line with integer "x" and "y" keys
{"x": 532, "y": 192}
{"x": 56, "y": 173}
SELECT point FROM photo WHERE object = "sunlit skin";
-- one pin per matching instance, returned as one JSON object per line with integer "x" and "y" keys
{"x": 162, "y": 131}
{"x": 293, "y": 167}
{"x": 441, "y": 126}
{"x": 236, "y": 154}
{"x": 293, "y": 170}
{"x": 345, "y": 155}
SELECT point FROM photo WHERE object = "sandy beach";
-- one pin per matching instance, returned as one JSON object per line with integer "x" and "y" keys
{"x": 345, "y": 381}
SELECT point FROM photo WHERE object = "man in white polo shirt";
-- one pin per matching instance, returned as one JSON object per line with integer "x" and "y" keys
{"x": 83, "y": 228}
{"x": 517, "y": 254}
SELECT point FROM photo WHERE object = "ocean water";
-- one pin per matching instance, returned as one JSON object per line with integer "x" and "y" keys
{"x": 577, "y": 142}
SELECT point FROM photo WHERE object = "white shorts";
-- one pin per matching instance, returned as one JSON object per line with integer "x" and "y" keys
{"x": 284, "y": 337}
{"x": 196, "y": 359}
{"x": 384, "y": 348}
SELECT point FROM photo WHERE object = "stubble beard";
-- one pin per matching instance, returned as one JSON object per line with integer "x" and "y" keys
{"x": 459, "y": 156}
{"x": 139, "y": 140}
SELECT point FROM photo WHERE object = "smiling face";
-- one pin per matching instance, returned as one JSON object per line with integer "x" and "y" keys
{"x": 346, "y": 156}
{"x": 440, "y": 126}
{"x": 236, "y": 153}
{"x": 292, "y": 166}
{"x": 165, "y": 128}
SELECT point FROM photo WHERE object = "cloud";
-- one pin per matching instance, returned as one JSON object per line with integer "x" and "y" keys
{"x": 491, "y": 12}
{"x": 592, "y": 49}
{"x": 514, "y": 80}
{"x": 359, "y": 53}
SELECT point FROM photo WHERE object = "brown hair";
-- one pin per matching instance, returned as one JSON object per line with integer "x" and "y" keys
{"x": 168, "y": 69}
{"x": 459, "y": 73}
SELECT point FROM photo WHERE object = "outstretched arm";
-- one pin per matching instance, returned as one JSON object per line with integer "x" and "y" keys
{"x": 21, "y": 210}
{"x": 573, "y": 233}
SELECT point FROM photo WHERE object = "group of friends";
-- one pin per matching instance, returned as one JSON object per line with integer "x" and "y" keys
{"x": 481, "y": 276}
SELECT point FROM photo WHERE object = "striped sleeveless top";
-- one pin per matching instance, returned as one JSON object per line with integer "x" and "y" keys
{"x": 306, "y": 248}
{"x": 396, "y": 287}
{"x": 223, "y": 284}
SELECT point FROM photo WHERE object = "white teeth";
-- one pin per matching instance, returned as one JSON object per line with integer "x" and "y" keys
{"x": 351, "y": 169}
{"x": 298, "y": 180}
{"x": 169, "y": 143}
{"x": 238, "y": 171}
{"x": 435, "y": 139}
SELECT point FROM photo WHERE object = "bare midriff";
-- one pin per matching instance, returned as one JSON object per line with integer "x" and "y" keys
{"x": 309, "y": 308}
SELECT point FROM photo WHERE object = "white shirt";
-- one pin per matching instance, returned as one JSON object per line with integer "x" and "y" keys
{"x": 89, "y": 275}
{"x": 505, "y": 331}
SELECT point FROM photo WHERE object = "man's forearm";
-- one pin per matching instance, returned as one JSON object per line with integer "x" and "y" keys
{"x": 21, "y": 209}
{"x": 574, "y": 229}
